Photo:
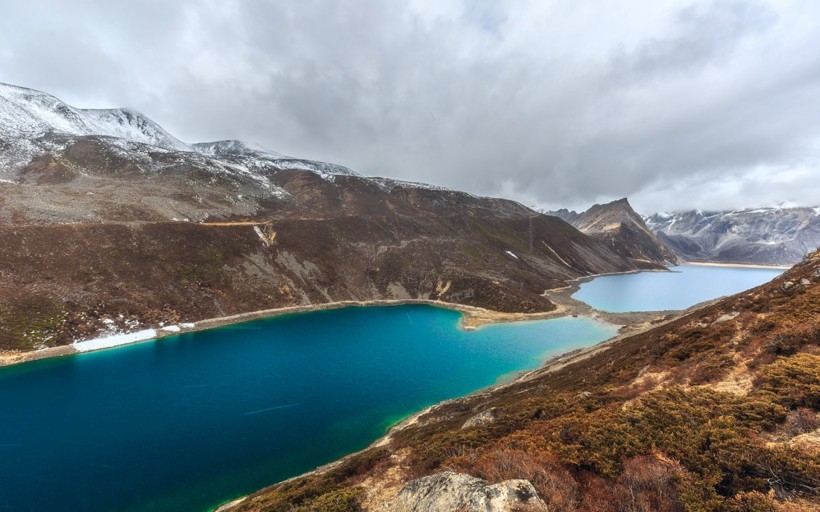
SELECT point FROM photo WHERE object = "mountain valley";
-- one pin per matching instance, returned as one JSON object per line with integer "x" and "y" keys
{"x": 112, "y": 225}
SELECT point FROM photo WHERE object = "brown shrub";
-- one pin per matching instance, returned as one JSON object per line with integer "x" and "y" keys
{"x": 554, "y": 484}
{"x": 801, "y": 421}
{"x": 795, "y": 381}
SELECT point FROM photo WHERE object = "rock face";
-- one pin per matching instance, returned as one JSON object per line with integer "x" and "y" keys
{"x": 450, "y": 491}
{"x": 768, "y": 236}
{"x": 109, "y": 223}
{"x": 623, "y": 231}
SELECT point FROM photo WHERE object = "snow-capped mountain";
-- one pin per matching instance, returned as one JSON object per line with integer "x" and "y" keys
{"x": 770, "y": 236}
{"x": 148, "y": 174}
{"x": 33, "y": 123}
{"x": 29, "y": 113}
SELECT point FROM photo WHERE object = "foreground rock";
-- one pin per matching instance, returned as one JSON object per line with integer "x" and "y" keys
{"x": 457, "y": 491}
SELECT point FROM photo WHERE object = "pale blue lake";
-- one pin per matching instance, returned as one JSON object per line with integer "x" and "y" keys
{"x": 188, "y": 422}
{"x": 683, "y": 287}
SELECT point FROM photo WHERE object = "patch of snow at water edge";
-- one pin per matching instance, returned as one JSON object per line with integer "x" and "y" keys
{"x": 115, "y": 340}
{"x": 187, "y": 325}
{"x": 171, "y": 328}
{"x": 511, "y": 254}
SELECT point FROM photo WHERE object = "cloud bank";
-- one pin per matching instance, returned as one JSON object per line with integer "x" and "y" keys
{"x": 674, "y": 104}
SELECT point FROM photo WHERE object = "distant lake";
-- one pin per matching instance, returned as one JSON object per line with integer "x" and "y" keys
{"x": 684, "y": 286}
{"x": 187, "y": 422}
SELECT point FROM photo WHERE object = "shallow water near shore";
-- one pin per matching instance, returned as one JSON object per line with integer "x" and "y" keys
{"x": 683, "y": 287}
{"x": 190, "y": 421}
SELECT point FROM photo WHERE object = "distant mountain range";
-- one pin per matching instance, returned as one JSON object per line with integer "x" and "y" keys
{"x": 762, "y": 236}
{"x": 111, "y": 224}
{"x": 770, "y": 236}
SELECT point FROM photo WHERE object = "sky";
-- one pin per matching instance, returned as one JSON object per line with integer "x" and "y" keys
{"x": 674, "y": 104}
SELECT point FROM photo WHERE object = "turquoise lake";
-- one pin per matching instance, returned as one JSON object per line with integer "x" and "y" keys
{"x": 684, "y": 286}
{"x": 190, "y": 421}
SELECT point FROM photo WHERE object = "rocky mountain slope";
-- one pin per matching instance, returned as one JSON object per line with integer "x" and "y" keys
{"x": 717, "y": 409}
{"x": 110, "y": 224}
{"x": 768, "y": 236}
{"x": 621, "y": 229}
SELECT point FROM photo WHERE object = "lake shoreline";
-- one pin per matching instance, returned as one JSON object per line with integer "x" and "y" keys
{"x": 631, "y": 324}
{"x": 473, "y": 318}
{"x": 741, "y": 265}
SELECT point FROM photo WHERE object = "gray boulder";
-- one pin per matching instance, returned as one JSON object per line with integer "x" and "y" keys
{"x": 451, "y": 491}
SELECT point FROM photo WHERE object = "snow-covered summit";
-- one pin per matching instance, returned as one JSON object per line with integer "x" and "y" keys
{"x": 29, "y": 113}
{"x": 125, "y": 123}
{"x": 33, "y": 123}
{"x": 768, "y": 235}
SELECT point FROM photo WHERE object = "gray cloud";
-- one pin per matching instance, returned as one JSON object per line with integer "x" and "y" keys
{"x": 676, "y": 105}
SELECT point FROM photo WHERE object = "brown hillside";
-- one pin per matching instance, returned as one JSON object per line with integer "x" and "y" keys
{"x": 64, "y": 282}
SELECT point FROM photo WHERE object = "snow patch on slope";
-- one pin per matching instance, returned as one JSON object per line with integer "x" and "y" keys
{"x": 389, "y": 184}
{"x": 129, "y": 124}
{"x": 237, "y": 148}
{"x": 327, "y": 171}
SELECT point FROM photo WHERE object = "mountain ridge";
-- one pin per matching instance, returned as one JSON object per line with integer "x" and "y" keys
{"x": 621, "y": 228}
{"x": 770, "y": 236}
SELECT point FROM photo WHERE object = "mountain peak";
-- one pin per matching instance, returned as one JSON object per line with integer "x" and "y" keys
{"x": 35, "y": 124}
{"x": 620, "y": 227}
{"x": 609, "y": 216}
{"x": 27, "y": 113}
{"x": 130, "y": 124}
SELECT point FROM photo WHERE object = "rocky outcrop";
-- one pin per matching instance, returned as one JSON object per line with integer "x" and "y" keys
{"x": 450, "y": 491}
{"x": 765, "y": 236}
{"x": 617, "y": 226}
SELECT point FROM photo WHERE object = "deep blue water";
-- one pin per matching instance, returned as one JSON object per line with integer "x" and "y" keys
{"x": 685, "y": 286}
{"x": 190, "y": 421}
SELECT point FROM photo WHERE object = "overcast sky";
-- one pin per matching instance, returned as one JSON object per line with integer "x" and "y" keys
{"x": 674, "y": 104}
